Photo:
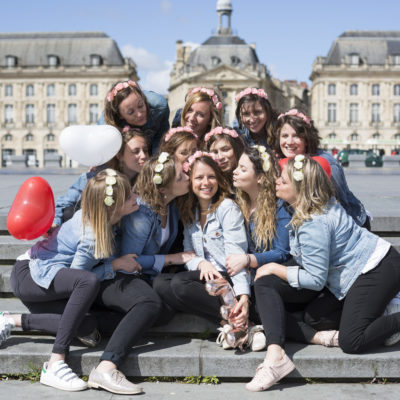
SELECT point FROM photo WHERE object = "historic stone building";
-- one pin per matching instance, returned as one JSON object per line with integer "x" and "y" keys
{"x": 49, "y": 81}
{"x": 355, "y": 96}
{"x": 227, "y": 62}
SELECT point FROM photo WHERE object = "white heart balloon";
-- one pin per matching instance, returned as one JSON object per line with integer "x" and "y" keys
{"x": 91, "y": 145}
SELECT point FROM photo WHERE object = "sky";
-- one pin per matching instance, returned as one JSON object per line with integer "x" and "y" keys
{"x": 289, "y": 34}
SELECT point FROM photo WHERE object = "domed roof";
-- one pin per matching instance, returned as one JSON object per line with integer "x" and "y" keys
{"x": 224, "y": 5}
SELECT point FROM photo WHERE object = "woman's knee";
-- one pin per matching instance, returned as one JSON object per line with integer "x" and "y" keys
{"x": 349, "y": 343}
{"x": 182, "y": 286}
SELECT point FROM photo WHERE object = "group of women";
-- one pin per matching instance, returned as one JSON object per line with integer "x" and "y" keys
{"x": 134, "y": 241}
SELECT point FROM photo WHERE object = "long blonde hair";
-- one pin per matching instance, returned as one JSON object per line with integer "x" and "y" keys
{"x": 148, "y": 190}
{"x": 188, "y": 203}
{"x": 97, "y": 214}
{"x": 265, "y": 213}
{"x": 314, "y": 191}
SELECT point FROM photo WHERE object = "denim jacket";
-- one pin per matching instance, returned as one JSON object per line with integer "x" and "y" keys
{"x": 67, "y": 248}
{"x": 246, "y": 136}
{"x": 73, "y": 195}
{"x": 279, "y": 251}
{"x": 141, "y": 235}
{"x": 331, "y": 250}
{"x": 224, "y": 233}
{"x": 157, "y": 121}
{"x": 350, "y": 203}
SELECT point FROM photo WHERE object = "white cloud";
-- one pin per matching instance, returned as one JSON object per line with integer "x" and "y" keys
{"x": 166, "y": 6}
{"x": 152, "y": 70}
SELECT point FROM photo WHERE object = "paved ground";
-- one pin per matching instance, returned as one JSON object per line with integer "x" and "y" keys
{"x": 231, "y": 391}
{"x": 378, "y": 189}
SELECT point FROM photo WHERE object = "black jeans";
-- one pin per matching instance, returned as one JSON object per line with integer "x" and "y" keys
{"x": 272, "y": 294}
{"x": 61, "y": 309}
{"x": 362, "y": 325}
{"x": 134, "y": 307}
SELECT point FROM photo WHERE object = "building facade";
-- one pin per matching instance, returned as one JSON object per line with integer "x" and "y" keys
{"x": 49, "y": 81}
{"x": 355, "y": 96}
{"x": 226, "y": 62}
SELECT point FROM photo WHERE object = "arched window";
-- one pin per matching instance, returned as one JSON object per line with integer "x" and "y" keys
{"x": 29, "y": 137}
{"x": 53, "y": 61}
{"x": 354, "y": 89}
{"x": 235, "y": 60}
{"x": 332, "y": 135}
{"x": 8, "y": 90}
{"x": 51, "y": 90}
{"x": 29, "y": 91}
{"x": 94, "y": 89}
{"x": 8, "y": 137}
{"x": 331, "y": 89}
{"x": 215, "y": 61}
{"x": 354, "y": 59}
{"x": 72, "y": 90}
{"x": 50, "y": 137}
{"x": 375, "y": 89}
{"x": 396, "y": 90}
{"x": 11, "y": 61}
{"x": 95, "y": 60}
{"x": 354, "y": 137}
{"x": 376, "y": 136}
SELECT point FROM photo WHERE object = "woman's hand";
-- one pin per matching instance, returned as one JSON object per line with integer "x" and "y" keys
{"x": 240, "y": 313}
{"x": 208, "y": 271}
{"x": 271, "y": 269}
{"x": 126, "y": 263}
{"x": 235, "y": 263}
{"x": 179, "y": 258}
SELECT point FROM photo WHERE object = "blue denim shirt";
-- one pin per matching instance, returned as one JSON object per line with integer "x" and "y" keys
{"x": 67, "y": 248}
{"x": 246, "y": 136}
{"x": 141, "y": 235}
{"x": 279, "y": 251}
{"x": 157, "y": 121}
{"x": 224, "y": 233}
{"x": 73, "y": 195}
{"x": 331, "y": 250}
{"x": 350, "y": 203}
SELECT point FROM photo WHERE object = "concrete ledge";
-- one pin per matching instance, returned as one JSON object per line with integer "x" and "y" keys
{"x": 178, "y": 356}
{"x": 11, "y": 248}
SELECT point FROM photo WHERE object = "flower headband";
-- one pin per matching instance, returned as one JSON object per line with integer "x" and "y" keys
{"x": 188, "y": 164}
{"x": 162, "y": 158}
{"x": 172, "y": 132}
{"x": 298, "y": 165}
{"x": 264, "y": 156}
{"x": 210, "y": 93}
{"x": 295, "y": 113}
{"x": 257, "y": 92}
{"x": 110, "y": 181}
{"x": 119, "y": 86}
{"x": 219, "y": 131}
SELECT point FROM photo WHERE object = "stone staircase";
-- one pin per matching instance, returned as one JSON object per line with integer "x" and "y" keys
{"x": 178, "y": 348}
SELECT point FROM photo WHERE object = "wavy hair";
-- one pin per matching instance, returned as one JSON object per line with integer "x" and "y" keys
{"x": 111, "y": 108}
{"x": 265, "y": 213}
{"x": 148, "y": 190}
{"x": 97, "y": 214}
{"x": 248, "y": 101}
{"x": 308, "y": 133}
{"x": 175, "y": 141}
{"x": 314, "y": 191}
{"x": 188, "y": 204}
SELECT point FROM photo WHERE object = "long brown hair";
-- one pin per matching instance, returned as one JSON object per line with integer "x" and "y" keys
{"x": 188, "y": 203}
{"x": 265, "y": 214}
{"x": 97, "y": 214}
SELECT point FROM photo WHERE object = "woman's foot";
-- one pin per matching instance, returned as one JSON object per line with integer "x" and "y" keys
{"x": 257, "y": 340}
{"x": 60, "y": 376}
{"x": 326, "y": 338}
{"x": 267, "y": 374}
{"x": 91, "y": 340}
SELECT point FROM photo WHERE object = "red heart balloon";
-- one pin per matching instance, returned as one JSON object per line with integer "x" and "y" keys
{"x": 32, "y": 211}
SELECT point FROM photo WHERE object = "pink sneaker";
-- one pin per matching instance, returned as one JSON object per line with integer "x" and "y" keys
{"x": 268, "y": 375}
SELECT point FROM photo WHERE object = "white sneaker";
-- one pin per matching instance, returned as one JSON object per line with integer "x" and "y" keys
{"x": 6, "y": 325}
{"x": 60, "y": 376}
{"x": 257, "y": 340}
{"x": 392, "y": 308}
{"x": 221, "y": 339}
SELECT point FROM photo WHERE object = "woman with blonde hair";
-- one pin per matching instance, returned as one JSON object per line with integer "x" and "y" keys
{"x": 330, "y": 249}
{"x": 58, "y": 278}
{"x": 202, "y": 111}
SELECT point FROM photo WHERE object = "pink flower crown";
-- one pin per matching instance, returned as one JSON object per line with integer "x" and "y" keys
{"x": 172, "y": 132}
{"x": 257, "y": 92}
{"x": 210, "y": 93}
{"x": 295, "y": 113}
{"x": 219, "y": 131}
{"x": 119, "y": 86}
{"x": 188, "y": 164}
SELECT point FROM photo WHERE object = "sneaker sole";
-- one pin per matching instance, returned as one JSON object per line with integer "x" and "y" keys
{"x": 62, "y": 388}
{"x": 94, "y": 385}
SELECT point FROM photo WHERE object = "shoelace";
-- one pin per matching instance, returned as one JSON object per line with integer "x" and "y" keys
{"x": 117, "y": 376}
{"x": 221, "y": 337}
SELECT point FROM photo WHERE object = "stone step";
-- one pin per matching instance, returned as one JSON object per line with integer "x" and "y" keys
{"x": 11, "y": 248}
{"x": 183, "y": 356}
